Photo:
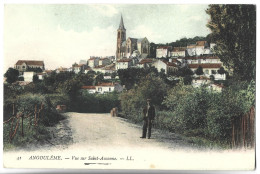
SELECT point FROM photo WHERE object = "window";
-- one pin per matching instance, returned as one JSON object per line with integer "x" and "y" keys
{"x": 118, "y": 35}
{"x": 144, "y": 50}
{"x": 23, "y": 67}
{"x": 206, "y": 71}
{"x": 109, "y": 89}
{"x": 128, "y": 49}
{"x": 99, "y": 89}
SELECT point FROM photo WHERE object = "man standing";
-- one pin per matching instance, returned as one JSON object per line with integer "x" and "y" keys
{"x": 149, "y": 114}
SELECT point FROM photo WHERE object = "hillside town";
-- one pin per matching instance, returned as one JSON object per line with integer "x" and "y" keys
{"x": 199, "y": 86}
{"x": 135, "y": 53}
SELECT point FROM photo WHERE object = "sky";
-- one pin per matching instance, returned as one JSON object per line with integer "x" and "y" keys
{"x": 61, "y": 34}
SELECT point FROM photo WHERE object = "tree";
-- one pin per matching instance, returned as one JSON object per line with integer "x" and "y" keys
{"x": 212, "y": 77}
{"x": 35, "y": 78}
{"x": 199, "y": 71}
{"x": 184, "y": 71}
{"x": 11, "y": 75}
{"x": 234, "y": 32}
{"x": 221, "y": 70}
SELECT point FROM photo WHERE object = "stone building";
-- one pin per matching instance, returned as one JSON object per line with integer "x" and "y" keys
{"x": 130, "y": 47}
{"x": 25, "y": 65}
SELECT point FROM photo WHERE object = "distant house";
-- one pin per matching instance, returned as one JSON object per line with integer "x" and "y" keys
{"x": 99, "y": 68}
{"x": 200, "y": 48}
{"x": 103, "y": 61}
{"x": 93, "y": 61}
{"x": 103, "y": 88}
{"x": 79, "y": 68}
{"x": 178, "y": 52}
{"x": 90, "y": 89}
{"x": 201, "y": 60}
{"x": 145, "y": 63}
{"x": 28, "y": 76}
{"x": 209, "y": 69}
{"x": 163, "y": 51}
{"x": 110, "y": 68}
{"x": 164, "y": 65}
{"x": 24, "y": 65}
{"x": 124, "y": 63}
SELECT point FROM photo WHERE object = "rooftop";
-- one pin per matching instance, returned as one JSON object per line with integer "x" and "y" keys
{"x": 30, "y": 62}
{"x": 206, "y": 65}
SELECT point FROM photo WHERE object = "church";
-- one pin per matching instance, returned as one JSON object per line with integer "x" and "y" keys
{"x": 130, "y": 47}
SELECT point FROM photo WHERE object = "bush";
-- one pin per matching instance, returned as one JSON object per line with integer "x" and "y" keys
{"x": 96, "y": 103}
{"x": 133, "y": 101}
{"x": 200, "y": 112}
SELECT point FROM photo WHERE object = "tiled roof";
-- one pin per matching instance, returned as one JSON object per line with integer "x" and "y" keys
{"x": 100, "y": 66}
{"x": 206, "y": 65}
{"x": 124, "y": 60}
{"x": 30, "y": 62}
{"x": 88, "y": 87}
{"x": 105, "y": 84}
{"x": 146, "y": 61}
{"x": 133, "y": 39}
{"x": 176, "y": 49}
{"x": 201, "y": 43}
{"x": 170, "y": 63}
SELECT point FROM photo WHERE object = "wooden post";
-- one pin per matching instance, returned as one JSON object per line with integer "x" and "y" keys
{"x": 13, "y": 109}
{"x": 22, "y": 125}
{"x": 35, "y": 115}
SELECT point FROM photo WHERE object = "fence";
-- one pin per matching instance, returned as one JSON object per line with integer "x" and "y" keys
{"x": 15, "y": 122}
{"x": 243, "y": 130}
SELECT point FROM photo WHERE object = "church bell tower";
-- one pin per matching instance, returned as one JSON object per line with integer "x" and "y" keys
{"x": 121, "y": 37}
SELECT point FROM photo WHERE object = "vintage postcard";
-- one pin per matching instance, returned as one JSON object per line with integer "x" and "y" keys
{"x": 129, "y": 86}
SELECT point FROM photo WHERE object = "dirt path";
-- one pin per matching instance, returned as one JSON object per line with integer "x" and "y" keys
{"x": 102, "y": 130}
{"x": 99, "y": 141}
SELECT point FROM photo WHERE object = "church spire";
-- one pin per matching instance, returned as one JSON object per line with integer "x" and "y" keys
{"x": 121, "y": 25}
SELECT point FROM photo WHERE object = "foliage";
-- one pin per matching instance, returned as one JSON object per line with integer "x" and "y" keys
{"x": 212, "y": 77}
{"x": 20, "y": 78}
{"x": 204, "y": 113}
{"x": 35, "y": 79}
{"x": 236, "y": 50}
{"x": 37, "y": 70}
{"x": 132, "y": 76}
{"x": 199, "y": 71}
{"x": 96, "y": 103}
{"x": 133, "y": 100}
{"x": 221, "y": 70}
{"x": 11, "y": 75}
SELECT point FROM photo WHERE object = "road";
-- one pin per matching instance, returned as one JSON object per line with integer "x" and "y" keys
{"x": 84, "y": 140}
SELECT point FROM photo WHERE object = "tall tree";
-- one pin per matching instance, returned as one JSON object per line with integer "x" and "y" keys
{"x": 234, "y": 31}
{"x": 11, "y": 75}
{"x": 199, "y": 71}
